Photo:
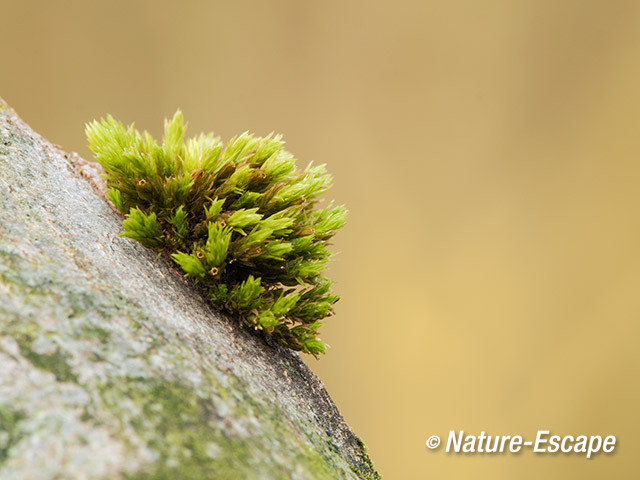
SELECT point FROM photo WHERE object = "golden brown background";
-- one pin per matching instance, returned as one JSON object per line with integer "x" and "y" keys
{"x": 489, "y": 155}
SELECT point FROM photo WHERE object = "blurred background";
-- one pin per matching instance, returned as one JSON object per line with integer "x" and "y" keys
{"x": 488, "y": 153}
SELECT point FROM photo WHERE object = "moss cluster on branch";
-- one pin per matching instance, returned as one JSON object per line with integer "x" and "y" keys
{"x": 240, "y": 218}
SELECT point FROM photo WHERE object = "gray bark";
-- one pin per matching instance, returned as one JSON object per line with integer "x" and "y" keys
{"x": 112, "y": 365}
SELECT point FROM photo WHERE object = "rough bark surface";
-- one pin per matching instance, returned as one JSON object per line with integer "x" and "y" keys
{"x": 113, "y": 366}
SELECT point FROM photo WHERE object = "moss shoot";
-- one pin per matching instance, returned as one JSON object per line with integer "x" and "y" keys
{"x": 240, "y": 218}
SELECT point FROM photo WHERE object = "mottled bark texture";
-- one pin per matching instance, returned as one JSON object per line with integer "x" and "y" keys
{"x": 112, "y": 365}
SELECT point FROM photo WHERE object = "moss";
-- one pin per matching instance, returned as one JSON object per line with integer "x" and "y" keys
{"x": 364, "y": 468}
{"x": 55, "y": 362}
{"x": 241, "y": 219}
{"x": 187, "y": 433}
{"x": 9, "y": 432}
{"x": 93, "y": 331}
{"x": 179, "y": 406}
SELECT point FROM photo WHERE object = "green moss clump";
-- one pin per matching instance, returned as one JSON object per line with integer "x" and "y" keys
{"x": 240, "y": 218}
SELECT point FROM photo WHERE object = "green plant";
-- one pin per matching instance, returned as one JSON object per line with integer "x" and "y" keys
{"x": 239, "y": 218}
